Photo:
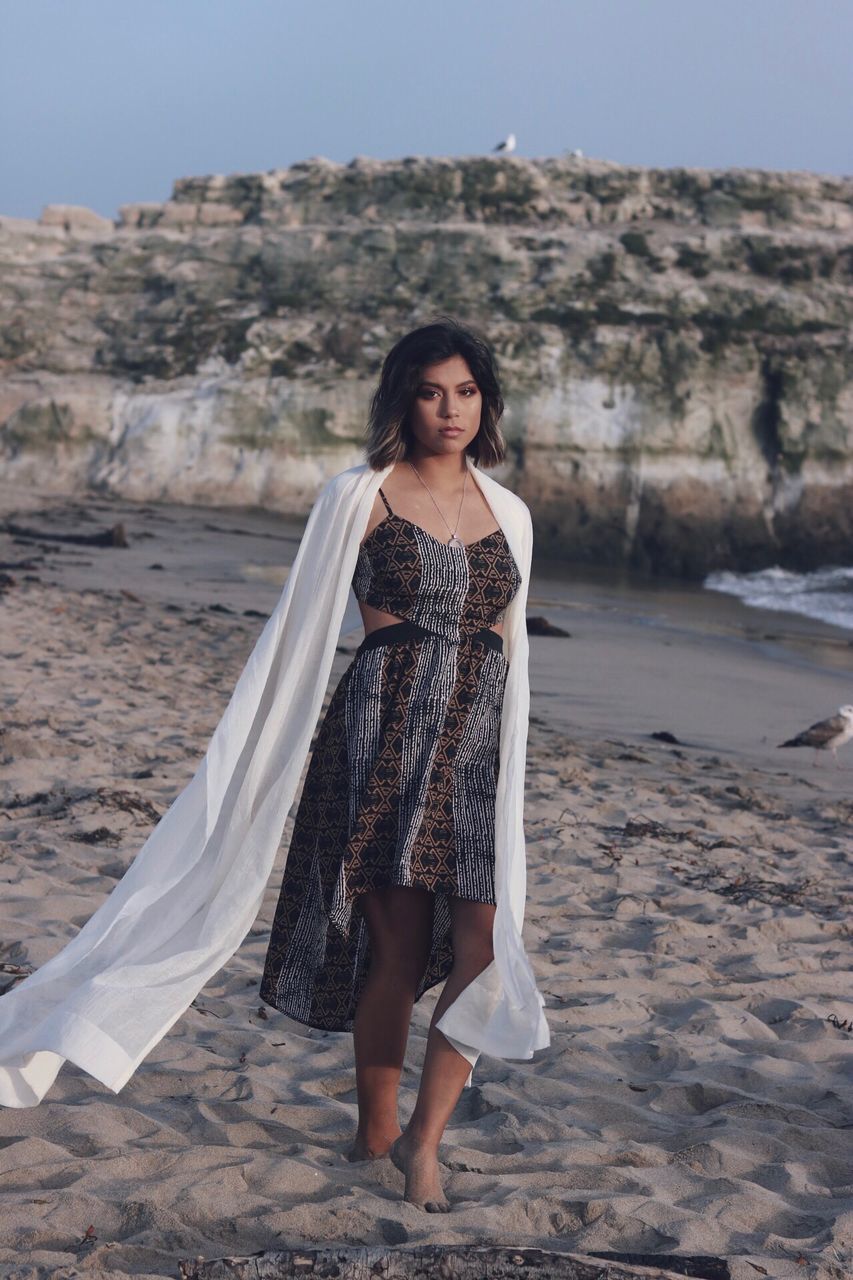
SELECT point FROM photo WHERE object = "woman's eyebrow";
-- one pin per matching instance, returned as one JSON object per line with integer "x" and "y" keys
{"x": 425, "y": 382}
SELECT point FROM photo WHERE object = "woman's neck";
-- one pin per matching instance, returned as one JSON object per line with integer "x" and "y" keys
{"x": 445, "y": 471}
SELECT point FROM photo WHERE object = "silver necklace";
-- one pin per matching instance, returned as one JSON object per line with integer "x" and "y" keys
{"x": 454, "y": 540}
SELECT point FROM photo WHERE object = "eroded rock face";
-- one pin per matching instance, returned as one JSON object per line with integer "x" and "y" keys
{"x": 674, "y": 344}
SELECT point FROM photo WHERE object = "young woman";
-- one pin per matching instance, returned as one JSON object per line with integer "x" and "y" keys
{"x": 407, "y": 863}
{"x": 389, "y": 886}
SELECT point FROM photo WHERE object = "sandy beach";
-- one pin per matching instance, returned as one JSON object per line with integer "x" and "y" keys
{"x": 688, "y": 920}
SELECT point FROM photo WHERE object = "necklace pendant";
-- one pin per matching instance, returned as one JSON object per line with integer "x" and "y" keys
{"x": 455, "y": 542}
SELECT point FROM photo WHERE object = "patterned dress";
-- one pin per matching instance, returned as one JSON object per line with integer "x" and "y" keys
{"x": 401, "y": 786}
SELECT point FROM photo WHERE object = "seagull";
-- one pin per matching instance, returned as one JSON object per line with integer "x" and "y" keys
{"x": 832, "y": 733}
{"x": 508, "y": 143}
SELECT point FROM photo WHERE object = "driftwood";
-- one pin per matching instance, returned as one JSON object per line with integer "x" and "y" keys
{"x": 114, "y": 537}
{"x": 13, "y": 965}
{"x": 452, "y": 1262}
{"x": 539, "y": 626}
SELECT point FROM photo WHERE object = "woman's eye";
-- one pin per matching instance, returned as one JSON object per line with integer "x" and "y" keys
{"x": 429, "y": 392}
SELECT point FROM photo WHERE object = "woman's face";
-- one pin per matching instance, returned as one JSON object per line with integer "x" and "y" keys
{"x": 445, "y": 414}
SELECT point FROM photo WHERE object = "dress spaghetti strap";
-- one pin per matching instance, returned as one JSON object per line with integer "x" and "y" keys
{"x": 385, "y": 500}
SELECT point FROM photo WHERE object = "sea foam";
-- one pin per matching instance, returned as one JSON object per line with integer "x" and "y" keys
{"x": 825, "y": 594}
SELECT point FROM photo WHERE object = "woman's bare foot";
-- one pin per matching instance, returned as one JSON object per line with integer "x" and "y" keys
{"x": 420, "y": 1165}
{"x": 364, "y": 1148}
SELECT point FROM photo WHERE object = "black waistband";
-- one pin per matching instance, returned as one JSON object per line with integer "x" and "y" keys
{"x": 407, "y": 630}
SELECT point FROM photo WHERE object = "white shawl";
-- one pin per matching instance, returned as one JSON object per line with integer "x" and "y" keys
{"x": 194, "y": 889}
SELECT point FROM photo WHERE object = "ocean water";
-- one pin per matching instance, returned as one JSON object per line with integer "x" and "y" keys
{"x": 825, "y": 594}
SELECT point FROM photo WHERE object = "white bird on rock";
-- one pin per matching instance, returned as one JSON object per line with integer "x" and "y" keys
{"x": 508, "y": 143}
{"x": 831, "y": 733}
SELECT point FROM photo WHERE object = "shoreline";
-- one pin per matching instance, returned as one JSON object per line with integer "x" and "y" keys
{"x": 745, "y": 678}
{"x": 736, "y": 678}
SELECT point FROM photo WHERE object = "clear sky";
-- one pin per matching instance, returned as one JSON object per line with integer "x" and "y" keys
{"x": 105, "y": 102}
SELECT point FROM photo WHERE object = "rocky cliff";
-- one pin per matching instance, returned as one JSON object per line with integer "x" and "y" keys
{"x": 675, "y": 344}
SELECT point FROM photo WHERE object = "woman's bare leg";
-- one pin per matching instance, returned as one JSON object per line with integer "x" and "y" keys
{"x": 399, "y": 923}
{"x": 444, "y": 1071}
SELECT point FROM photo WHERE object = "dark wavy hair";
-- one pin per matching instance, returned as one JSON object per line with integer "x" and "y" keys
{"x": 389, "y": 435}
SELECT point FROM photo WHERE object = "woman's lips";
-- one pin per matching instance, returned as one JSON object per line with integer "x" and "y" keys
{"x": 450, "y": 431}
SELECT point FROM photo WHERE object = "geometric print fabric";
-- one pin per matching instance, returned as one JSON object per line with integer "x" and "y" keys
{"x": 402, "y": 780}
